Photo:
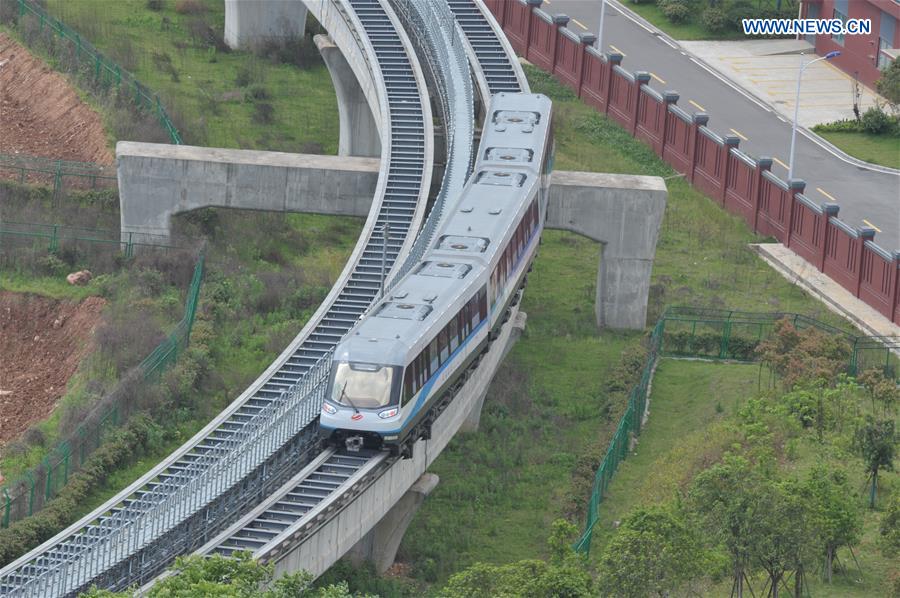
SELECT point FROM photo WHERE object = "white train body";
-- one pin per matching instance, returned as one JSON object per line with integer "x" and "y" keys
{"x": 403, "y": 356}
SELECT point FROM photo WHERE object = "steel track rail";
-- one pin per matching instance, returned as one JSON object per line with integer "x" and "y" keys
{"x": 118, "y": 535}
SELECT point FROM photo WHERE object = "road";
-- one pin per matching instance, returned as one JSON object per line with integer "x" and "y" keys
{"x": 868, "y": 198}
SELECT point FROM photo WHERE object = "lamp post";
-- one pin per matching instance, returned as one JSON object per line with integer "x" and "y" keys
{"x": 803, "y": 66}
{"x": 600, "y": 30}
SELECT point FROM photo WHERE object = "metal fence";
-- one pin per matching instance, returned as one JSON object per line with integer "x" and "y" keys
{"x": 35, "y": 169}
{"x": 31, "y": 491}
{"x": 105, "y": 72}
{"x": 27, "y": 239}
{"x": 685, "y": 332}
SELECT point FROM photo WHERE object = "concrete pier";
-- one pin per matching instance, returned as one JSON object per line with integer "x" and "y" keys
{"x": 624, "y": 213}
{"x": 358, "y": 131}
{"x": 380, "y": 544}
{"x": 250, "y": 24}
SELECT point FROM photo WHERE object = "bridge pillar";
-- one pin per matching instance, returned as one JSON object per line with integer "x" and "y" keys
{"x": 380, "y": 544}
{"x": 470, "y": 424}
{"x": 624, "y": 213}
{"x": 358, "y": 132}
{"x": 249, "y": 24}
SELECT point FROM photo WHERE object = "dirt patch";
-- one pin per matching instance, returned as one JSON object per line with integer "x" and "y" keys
{"x": 41, "y": 343}
{"x": 40, "y": 113}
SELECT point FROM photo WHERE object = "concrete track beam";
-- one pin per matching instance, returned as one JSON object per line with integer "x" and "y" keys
{"x": 250, "y": 24}
{"x": 380, "y": 544}
{"x": 358, "y": 132}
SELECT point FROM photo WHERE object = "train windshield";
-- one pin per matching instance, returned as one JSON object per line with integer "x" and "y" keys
{"x": 362, "y": 385}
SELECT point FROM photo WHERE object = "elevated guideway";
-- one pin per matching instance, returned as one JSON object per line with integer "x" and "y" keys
{"x": 265, "y": 435}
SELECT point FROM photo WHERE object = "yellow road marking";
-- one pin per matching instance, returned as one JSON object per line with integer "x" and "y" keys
{"x": 618, "y": 50}
{"x": 579, "y": 23}
{"x": 696, "y": 105}
{"x": 877, "y": 230}
{"x": 739, "y": 134}
{"x": 782, "y": 163}
{"x": 663, "y": 81}
{"x": 826, "y": 194}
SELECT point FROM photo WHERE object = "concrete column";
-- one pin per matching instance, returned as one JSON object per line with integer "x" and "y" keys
{"x": 624, "y": 213}
{"x": 251, "y": 23}
{"x": 380, "y": 544}
{"x": 359, "y": 133}
{"x": 470, "y": 424}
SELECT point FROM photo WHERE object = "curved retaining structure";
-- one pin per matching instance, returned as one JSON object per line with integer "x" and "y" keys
{"x": 263, "y": 437}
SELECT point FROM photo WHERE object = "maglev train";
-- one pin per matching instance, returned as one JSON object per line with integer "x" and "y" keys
{"x": 401, "y": 363}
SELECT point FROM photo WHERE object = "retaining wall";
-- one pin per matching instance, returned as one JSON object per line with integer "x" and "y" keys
{"x": 741, "y": 184}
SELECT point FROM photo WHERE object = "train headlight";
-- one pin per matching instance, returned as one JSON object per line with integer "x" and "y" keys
{"x": 328, "y": 408}
{"x": 388, "y": 413}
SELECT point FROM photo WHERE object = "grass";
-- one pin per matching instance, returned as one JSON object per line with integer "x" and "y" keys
{"x": 214, "y": 95}
{"x": 681, "y": 31}
{"x": 691, "y": 401}
{"x": 877, "y": 149}
{"x": 548, "y": 408}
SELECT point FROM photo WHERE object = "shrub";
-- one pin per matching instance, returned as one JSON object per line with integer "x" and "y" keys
{"x": 258, "y": 92}
{"x": 189, "y": 7}
{"x": 839, "y": 126}
{"x": 155, "y": 4}
{"x": 676, "y": 11}
{"x": 876, "y": 121}
{"x": 264, "y": 113}
{"x": 715, "y": 20}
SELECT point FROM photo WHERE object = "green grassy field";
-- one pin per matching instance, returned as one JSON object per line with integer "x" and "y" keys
{"x": 692, "y": 403}
{"x": 691, "y": 30}
{"x": 877, "y": 149}
{"x": 213, "y": 95}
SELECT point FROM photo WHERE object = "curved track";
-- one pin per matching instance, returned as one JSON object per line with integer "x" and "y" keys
{"x": 254, "y": 444}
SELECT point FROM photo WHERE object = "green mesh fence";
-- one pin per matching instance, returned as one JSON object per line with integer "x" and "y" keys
{"x": 692, "y": 333}
{"x": 30, "y": 492}
{"x": 58, "y": 173}
{"x": 105, "y": 71}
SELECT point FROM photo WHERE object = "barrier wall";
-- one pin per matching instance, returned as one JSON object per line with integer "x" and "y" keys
{"x": 713, "y": 164}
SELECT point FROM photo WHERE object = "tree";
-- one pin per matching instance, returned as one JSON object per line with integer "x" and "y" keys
{"x": 726, "y": 500}
{"x": 875, "y": 442}
{"x": 836, "y": 515}
{"x": 564, "y": 576}
{"x": 797, "y": 355}
{"x": 653, "y": 552}
{"x": 889, "y": 84}
{"x": 890, "y": 528}
{"x": 236, "y": 577}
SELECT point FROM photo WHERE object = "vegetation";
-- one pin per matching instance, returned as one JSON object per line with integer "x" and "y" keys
{"x": 876, "y": 149}
{"x": 709, "y": 19}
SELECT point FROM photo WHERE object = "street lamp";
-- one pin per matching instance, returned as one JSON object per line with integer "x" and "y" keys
{"x": 829, "y": 56}
{"x": 600, "y": 32}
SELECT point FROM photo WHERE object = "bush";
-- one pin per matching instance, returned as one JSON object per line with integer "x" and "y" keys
{"x": 715, "y": 20}
{"x": 264, "y": 113}
{"x": 155, "y": 4}
{"x": 676, "y": 11}
{"x": 839, "y": 126}
{"x": 189, "y": 7}
{"x": 876, "y": 121}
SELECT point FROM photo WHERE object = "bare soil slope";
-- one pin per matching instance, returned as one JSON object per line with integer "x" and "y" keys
{"x": 41, "y": 343}
{"x": 40, "y": 113}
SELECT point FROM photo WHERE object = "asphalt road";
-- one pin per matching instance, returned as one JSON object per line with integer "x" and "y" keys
{"x": 868, "y": 198}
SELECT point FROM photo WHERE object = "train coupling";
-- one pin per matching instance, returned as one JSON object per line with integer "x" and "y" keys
{"x": 354, "y": 443}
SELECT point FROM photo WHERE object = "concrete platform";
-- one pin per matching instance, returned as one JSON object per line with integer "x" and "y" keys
{"x": 834, "y": 296}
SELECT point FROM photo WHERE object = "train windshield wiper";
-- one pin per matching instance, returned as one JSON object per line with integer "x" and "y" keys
{"x": 344, "y": 395}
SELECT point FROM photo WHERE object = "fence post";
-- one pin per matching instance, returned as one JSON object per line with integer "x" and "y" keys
{"x": 49, "y": 478}
{"x": 129, "y": 246}
{"x": 795, "y": 186}
{"x": 731, "y": 142}
{"x": 612, "y": 60}
{"x": 865, "y": 234}
{"x": 7, "y": 507}
{"x": 698, "y": 120}
{"x": 669, "y": 97}
{"x": 726, "y": 338}
{"x": 763, "y": 164}
{"x": 640, "y": 78}
{"x": 30, "y": 492}
{"x": 57, "y": 179}
{"x": 587, "y": 40}
{"x": 21, "y": 8}
{"x": 54, "y": 239}
{"x": 829, "y": 210}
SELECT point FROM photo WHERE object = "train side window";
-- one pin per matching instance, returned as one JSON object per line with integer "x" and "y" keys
{"x": 421, "y": 374}
{"x": 474, "y": 315}
{"x": 433, "y": 353}
{"x": 445, "y": 348}
{"x": 482, "y": 303}
{"x": 453, "y": 333}
{"x": 408, "y": 388}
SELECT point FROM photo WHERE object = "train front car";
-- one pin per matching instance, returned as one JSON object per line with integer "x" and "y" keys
{"x": 403, "y": 362}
